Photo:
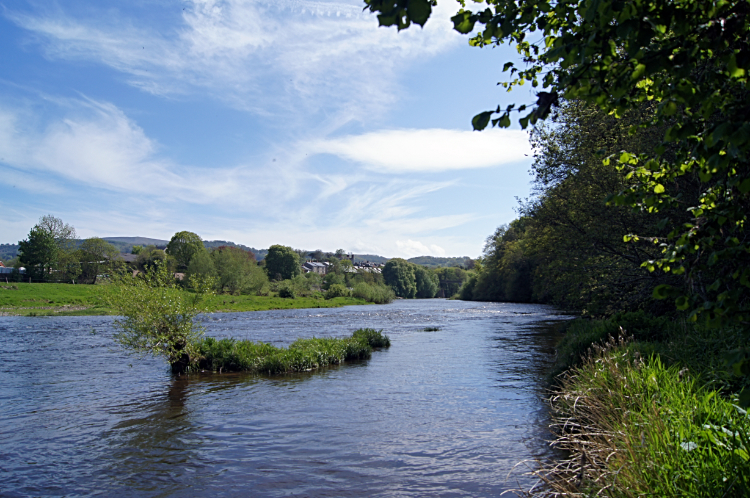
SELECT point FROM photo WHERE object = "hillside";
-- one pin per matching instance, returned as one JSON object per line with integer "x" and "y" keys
{"x": 434, "y": 262}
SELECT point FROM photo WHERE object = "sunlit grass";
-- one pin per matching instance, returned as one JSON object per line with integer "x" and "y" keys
{"x": 636, "y": 427}
{"x": 48, "y": 299}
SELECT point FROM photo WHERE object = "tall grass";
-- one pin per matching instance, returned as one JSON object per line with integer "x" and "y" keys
{"x": 635, "y": 427}
{"x": 231, "y": 355}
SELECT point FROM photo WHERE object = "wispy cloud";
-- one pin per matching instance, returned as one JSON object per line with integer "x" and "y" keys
{"x": 299, "y": 57}
{"x": 406, "y": 151}
{"x": 97, "y": 146}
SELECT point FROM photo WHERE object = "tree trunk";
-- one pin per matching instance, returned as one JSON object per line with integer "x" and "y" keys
{"x": 181, "y": 365}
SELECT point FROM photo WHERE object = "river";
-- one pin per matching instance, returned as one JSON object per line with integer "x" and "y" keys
{"x": 445, "y": 413}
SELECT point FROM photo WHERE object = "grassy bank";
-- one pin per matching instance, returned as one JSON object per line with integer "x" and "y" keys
{"x": 230, "y": 355}
{"x": 24, "y": 299}
{"x": 654, "y": 412}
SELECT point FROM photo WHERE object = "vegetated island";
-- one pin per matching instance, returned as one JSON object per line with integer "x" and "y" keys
{"x": 48, "y": 299}
{"x": 231, "y": 355}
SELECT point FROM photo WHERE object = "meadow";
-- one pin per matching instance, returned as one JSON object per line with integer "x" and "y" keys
{"x": 47, "y": 299}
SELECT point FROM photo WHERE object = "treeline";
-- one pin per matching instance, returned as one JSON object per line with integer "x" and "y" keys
{"x": 52, "y": 252}
{"x": 570, "y": 247}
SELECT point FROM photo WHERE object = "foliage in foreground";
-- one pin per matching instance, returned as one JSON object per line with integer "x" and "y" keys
{"x": 636, "y": 427}
{"x": 231, "y": 355}
{"x": 690, "y": 59}
{"x": 158, "y": 318}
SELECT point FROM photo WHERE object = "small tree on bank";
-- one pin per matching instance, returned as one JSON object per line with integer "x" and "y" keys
{"x": 159, "y": 318}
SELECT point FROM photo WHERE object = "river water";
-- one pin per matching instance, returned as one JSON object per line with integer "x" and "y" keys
{"x": 446, "y": 413}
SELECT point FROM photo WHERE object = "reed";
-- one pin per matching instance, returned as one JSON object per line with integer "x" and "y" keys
{"x": 231, "y": 355}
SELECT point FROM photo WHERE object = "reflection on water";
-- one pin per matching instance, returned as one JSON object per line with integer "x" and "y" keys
{"x": 446, "y": 413}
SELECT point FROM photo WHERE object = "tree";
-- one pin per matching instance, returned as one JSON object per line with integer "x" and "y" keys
{"x": 691, "y": 60}
{"x": 399, "y": 275}
{"x": 49, "y": 251}
{"x": 96, "y": 256}
{"x": 38, "y": 253}
{"x": 237, "y": 270}
{"x": 282, "y": 263}
{"x": 183, "y": 246}
{"x": 201, "y": 264}
{"x": 149, "y": 256}
{"x": 426, "y": 282}
{"x": 158, "y": 316}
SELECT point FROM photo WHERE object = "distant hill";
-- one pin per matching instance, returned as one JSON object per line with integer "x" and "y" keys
{"x": 433, "y": 262}
{"x": 259, "y": 253}
{"x": 125, "y": 244}
{"x": 372, "y": 258}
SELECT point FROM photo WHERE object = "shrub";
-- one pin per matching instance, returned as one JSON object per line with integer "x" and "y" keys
{"x": 287, "y": 292}
{"x": 377, "y": 293}
{"x": 374, "y": 338}
{"x": 337, "y": 290}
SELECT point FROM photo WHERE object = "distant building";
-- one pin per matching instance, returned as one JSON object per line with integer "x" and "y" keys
{"x": 314, "y": 267}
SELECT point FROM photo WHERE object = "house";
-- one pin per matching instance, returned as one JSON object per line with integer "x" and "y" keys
{"x": 315, "y": 267}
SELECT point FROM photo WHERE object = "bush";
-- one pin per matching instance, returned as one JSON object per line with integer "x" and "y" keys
{"x": 378, "y": 293}
{"x": 287, "y": 292}
{"x": 374, "y": 338}
{"x": 337, "y": 290}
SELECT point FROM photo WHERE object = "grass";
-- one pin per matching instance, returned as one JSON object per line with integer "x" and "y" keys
{"x": 230, "y": 355}
{"x": 637, "y": 427}
{"x": 47, "y": 299}
{"x": 649, "y": 413}
{"x": 27, "y": 299}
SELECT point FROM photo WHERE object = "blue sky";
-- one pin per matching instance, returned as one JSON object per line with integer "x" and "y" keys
{"x": 287, "y": 121}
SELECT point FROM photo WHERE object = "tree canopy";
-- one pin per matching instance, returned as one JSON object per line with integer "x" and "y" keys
{"x": 687, "y": 58}
{"x": 48, "y": 251}
{"x": 183, "y": 246}
{"x": 282, "y": 262}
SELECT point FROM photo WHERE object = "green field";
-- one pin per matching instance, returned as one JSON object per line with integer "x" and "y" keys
{"x": 24, "y": 299}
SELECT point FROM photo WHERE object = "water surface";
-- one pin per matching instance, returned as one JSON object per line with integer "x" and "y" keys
{"x": 446, "y": 413}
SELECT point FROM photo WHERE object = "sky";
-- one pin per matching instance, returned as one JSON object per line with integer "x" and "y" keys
{"x": 289, "y": 122}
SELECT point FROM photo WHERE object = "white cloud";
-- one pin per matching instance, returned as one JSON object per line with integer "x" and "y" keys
{"x": 99, "y": 146}
{"x": 96, "y": 152}
{"x": 297, "y": 56}
{"x": 404, "y": 151}
{"x": 413, "y": 248}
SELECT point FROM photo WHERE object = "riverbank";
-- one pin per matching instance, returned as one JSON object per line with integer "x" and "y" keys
{"x": 648, "y": 406}
{"x": 46, "y": 299}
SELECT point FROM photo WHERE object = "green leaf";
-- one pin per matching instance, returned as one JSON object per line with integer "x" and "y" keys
{"x": 734, "y": 71}
{"x": 418, "y": 11}
{"x": 659, "y": 188}
{"x": 638, "y": 72}
{"x": 662, "y": 291}
{"x": 744, "y": 187}
{"x": 463, "y": 22}
{"x": 481, "y": 120}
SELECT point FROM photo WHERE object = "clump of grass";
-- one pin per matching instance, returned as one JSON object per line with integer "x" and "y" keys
{"x": 375, "y": 338}
{"x": 230, "y": 355}
{"x": 431, "y": 329}
{"x": 636, "y": 427}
